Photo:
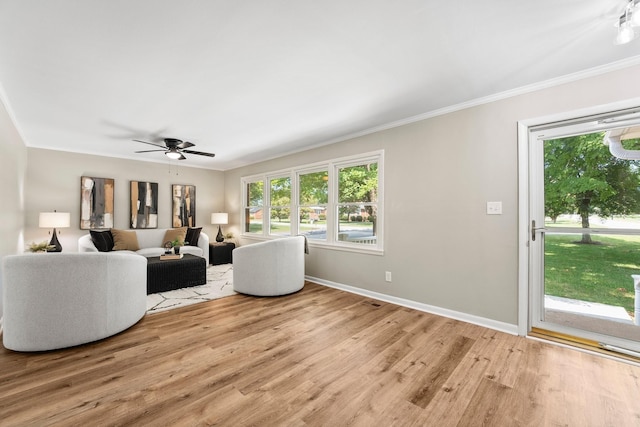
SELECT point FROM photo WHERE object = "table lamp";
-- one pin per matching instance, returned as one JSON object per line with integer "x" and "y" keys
{"x": 219, "y": 218}
{"x": 54, "y": 220}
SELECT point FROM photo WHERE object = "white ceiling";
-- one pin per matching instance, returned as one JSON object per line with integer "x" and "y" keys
{"x": 254, "y": 79}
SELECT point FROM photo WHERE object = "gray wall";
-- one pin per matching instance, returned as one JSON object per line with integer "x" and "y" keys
{"x": 53, "y": 182}
{"x": 440, "y": 245}
{"x": 13, "y": 166}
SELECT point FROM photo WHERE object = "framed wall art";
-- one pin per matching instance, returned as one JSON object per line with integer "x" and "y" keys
{"x": 183, "y": 212}
{"x": 144, "y": 204}
{"x": 96, "y": 203}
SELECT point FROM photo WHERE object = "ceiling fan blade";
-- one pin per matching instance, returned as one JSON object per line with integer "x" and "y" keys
{"x": 199, "y": 153}
{"x": 150, "y": 143}
{"x": 185, "y": 144}
{"x": 182, "y": 157}
{"x": 147, "y": 151}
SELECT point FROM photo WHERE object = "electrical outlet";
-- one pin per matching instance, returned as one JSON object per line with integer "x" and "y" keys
{"x": 387, "y": 276}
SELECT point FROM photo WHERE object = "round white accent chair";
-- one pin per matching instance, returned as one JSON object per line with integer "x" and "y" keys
{"x": 58, "y": 300}
{"x": 270, "y": 268}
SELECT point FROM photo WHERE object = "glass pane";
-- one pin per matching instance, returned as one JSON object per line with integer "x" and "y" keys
{"x": 591, "y": 286}
{"x": 589, "y": 277}
{"x": 314, "y": 188}
{"x": 253, "y": 220}
{"x": 585, "y": 186}
{"x": 358, "y": 184}
{"x": 255, "y": 193}
{"x": 280, "y": 221}
{"x": 280, "y": 191}
{"x": 313, "y": 222}
{"x": 357, "y": 224}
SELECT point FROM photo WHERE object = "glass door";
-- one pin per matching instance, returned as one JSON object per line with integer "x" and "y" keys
{"x": 585, "y": 231}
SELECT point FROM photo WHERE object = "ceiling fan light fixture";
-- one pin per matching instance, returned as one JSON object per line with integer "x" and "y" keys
{"x": 173, "y": 148}
{"x": 173, "y": 154}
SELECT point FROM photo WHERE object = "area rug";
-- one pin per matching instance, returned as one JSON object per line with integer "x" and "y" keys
{"x": 219, "y": 284}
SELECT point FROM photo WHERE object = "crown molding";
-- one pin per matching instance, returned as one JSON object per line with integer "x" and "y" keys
{"x": 591, "y": 72}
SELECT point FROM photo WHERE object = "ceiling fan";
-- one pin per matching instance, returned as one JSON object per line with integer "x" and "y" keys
{"x": 173, "y": 148}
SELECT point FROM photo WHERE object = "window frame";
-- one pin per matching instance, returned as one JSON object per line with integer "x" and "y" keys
{"x": 332, "y": 167}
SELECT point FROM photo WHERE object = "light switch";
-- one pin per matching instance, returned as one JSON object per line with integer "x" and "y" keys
{"x": 494, "y": 208}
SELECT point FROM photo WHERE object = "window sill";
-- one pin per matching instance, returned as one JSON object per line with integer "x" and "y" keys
{"x": 324, "y": 245}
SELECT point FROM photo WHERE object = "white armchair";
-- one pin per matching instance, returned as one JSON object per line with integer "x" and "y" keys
{"x": 274, "y": 267}
{"x": 61, "y": 300}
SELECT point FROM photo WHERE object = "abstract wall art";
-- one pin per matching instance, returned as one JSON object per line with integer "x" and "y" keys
{"x": 184, "y": 205}
{"x": 144, "y": 204}
{"x": 96, "y": 203}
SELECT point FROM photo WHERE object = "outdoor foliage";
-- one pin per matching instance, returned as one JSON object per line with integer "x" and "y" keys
{"x": 281, "y": 198}
{"x": 582, "y": 177}
{"x": 314, "y": 194}
{"x": 314, "y": 188}
{"x": 255, "y": 193}
{"x": 358, "y": 183}
{"x": 358, "y": 187}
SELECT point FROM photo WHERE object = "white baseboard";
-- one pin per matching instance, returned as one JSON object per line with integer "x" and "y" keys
{"x": 457, "y": 315}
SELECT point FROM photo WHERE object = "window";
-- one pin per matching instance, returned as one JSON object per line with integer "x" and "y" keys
{"x": 254, "y": 207}
{"x": 336, "y": 203}
{"x": 280, "y": 206}
{"x": 313, "y": 198}
{"x": 357, "y": 203}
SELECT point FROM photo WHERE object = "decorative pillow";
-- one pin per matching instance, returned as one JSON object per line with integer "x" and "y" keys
{"x": 103, "y": 240}
{"x": 175, "y": 233}
{"x": 193, "y": 234}
{"x": 125, "y": 240}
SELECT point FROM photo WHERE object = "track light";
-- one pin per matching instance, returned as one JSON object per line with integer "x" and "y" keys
{"x": 625, "y": 33}
{"x": 635, "y": 14}
{"x": 627, "y": 21}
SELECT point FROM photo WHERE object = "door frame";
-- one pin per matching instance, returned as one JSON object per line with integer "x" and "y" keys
{"x": 525, "y": 288}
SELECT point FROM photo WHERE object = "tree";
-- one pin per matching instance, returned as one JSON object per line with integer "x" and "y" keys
{"x": 314, "y": 188}
{"x": 255, "y": 193}
{"x": 255, "y": 196}
{"x": 359, "y": 184}
{"x": 581, "y": 176}
{"x": 281, "y": 198}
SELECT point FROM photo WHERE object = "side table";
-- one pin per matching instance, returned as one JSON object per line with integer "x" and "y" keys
{"x": 220, "y": 253}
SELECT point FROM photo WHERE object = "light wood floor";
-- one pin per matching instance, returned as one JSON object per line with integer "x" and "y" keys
{"x": 320, "y": 357}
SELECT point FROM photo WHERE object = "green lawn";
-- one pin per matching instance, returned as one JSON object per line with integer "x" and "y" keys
{"x": 597, "y": 273}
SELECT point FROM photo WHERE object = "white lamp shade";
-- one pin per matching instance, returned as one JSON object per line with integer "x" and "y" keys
{"x": 219, "y": 218}
{"x": 54, "y": 219}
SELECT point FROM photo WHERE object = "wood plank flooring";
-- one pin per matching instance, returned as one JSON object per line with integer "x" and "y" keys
{"x": 320, "y": 357}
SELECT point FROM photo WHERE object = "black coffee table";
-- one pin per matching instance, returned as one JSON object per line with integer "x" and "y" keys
{"x": 166, "y": 275}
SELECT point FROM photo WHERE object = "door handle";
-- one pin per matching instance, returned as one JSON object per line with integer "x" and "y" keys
{"x": 534, "y": 229}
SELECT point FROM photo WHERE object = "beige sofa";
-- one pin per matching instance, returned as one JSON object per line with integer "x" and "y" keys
{"x": 151, "y": 243}
{"x": 57, "y": 300}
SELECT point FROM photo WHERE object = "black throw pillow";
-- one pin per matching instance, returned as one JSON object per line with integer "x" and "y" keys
{"x": 193, "y": 234}
{"x": 103, "y": 240}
